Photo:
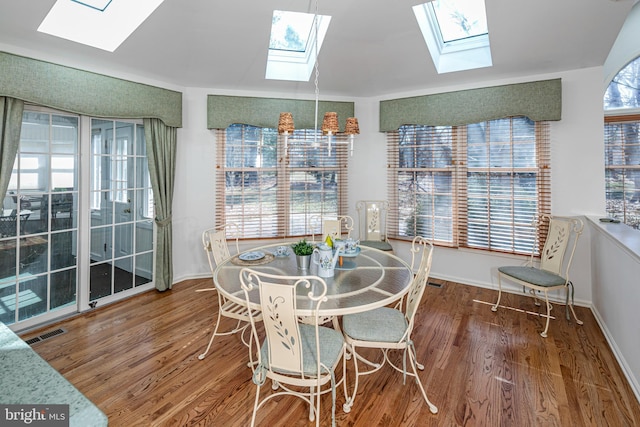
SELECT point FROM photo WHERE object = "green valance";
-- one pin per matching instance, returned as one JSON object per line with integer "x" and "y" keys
{"x": 84, "y": 92}
{"x": 223, "y": 111}
{"x": 541, "y": 100}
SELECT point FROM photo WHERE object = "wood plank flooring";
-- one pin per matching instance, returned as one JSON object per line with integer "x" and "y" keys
{"x": 138, "y": 361}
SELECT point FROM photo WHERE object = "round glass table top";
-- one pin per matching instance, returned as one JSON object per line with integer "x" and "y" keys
{"x": 369, "y": 280}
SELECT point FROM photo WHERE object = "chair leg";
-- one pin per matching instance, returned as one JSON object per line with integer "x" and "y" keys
{"x": 312, "y": 403}
{"x": 412, "y": 362}
{"x": 546, "y": 300}
{"x": 255, "y": 406}
{"x": 213, "y": 335}
{"x": 346, "y": 407}
{"x": 570, "y": 305}
{"x": 495, "y": 306}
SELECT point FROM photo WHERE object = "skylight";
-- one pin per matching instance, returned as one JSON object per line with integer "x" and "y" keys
{"x": 103, "y": 24}
{"x": 456, "y": 33}
{"x": 292, "y": 45}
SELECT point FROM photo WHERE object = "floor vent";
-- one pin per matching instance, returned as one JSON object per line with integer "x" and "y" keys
{"x": 46, "y": 336}
{"x": 435, "y": 285}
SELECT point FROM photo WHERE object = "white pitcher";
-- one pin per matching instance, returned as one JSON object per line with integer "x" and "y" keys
{"x": 325, "y": 259}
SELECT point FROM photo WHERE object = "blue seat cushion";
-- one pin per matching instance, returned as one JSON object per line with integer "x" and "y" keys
{"x": 380, "y": 325}
{"x": 533, "y": 275}
{"x": 331, "y": 342}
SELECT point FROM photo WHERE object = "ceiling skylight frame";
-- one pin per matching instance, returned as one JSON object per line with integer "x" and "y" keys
{"x": 292, "y": 65}
{"x": 84, "y": 21}
{"x": 93, "y": 4}
{"x": 458, "y": 55}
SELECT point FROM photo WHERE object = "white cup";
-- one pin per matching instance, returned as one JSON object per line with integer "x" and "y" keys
{"x": 339, "y": 245}
{"x": 351, "y": 245}
{"x": 282, "y": 251}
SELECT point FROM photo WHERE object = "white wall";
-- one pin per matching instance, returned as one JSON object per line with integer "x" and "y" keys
{"x": 615, "y": 271}
{"x": 577, "y": 188}
{"x": 626, "y": 47}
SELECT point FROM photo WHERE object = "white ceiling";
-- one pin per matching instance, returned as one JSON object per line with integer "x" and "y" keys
{"x": 372, "y": 48}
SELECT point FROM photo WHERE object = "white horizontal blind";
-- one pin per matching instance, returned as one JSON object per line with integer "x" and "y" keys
{"x": 478, "y": 186}
{"x": 504, "y": 185}
{"x": 422, "y": 191}
{"x": 622, "y": 168}
{"x": 270, "y": 194}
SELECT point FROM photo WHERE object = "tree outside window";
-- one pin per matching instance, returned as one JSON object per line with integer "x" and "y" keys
{"x": 622, "y": 145}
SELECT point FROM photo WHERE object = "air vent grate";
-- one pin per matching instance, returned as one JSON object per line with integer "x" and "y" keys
{"x": 435, "y": 285}
{"x": 46, "y": 336}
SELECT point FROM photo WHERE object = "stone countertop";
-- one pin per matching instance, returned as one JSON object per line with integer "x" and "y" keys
{"x": 26, "y": 378}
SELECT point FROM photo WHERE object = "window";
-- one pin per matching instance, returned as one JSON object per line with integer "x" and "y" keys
{"x": 270, "y": 195}
{"x": 77, "y": 20}
{"x": 478, "y": 186}
{"x": 456, "y": 34}
{"x": 622, "y": 145}
{"x": 293, "y": 42}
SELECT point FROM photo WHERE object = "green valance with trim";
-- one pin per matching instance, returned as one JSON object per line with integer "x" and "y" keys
{"x": 84, "y": 92}
{"x": 541, "y": 100}
{"x": 223, "y": 111}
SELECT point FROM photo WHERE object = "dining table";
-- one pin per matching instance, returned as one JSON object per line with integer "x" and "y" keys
{"x": 367, "y": 279}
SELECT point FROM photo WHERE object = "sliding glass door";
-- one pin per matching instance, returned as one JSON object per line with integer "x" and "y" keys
{"x": 76, "y": 227}
{"x": 121, "y": 230}
{"x": 39, "y": 223}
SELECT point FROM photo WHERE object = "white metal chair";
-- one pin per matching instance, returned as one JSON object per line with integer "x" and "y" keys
{"x": 299, "y": 358}
{"x": 387, "y": 329}
{"x": 330, "y": 226}
{"x": 552, "y": 272}
{"x": 214, "y": 241}
{"x": 372, "y": 224}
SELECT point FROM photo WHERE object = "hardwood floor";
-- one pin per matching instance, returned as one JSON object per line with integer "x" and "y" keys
{"x": 138, "y": 361}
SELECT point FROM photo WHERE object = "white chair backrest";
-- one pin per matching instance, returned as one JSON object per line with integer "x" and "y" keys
{"x": 372, "y": 216}
{"x": 563, "y": 233}
{"x": 279, "y": 297}
{"x": 420, "y": 280}
{"x": 214, "y": 241}
{"x": 330, "y": 226}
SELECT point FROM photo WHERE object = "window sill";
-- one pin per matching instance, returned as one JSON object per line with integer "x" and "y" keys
{"x": 624, "y": 236}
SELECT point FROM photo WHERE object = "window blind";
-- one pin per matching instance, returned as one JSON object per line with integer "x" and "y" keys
{"x": 422, "y": 188}
{"x": 478, "y": 186}
{"x": 268, "y": 193}
{"x": 622, "y": 168}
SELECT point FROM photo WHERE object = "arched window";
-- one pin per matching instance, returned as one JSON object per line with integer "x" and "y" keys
{"x": 622, "y": 145}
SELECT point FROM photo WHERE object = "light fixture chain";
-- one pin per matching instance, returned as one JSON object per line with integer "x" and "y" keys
{"x": 317, "y": 76}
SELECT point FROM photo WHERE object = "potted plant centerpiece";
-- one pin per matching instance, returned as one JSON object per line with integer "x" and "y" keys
{"x": 303, "y": 251}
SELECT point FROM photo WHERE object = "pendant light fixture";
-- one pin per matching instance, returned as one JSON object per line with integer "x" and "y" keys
{"x": 330, "y": 126}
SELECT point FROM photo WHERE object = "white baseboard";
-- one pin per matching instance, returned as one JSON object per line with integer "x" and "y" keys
{"x": 633, "y": 381}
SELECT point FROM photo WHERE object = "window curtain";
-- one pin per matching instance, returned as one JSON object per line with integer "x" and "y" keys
{"x": 83, "y": 92}
{"x": 161, "y": 153}
{"x": 224, "y": 111}
{"x": 539, "y": 101}
{"x": 10, "y": 124}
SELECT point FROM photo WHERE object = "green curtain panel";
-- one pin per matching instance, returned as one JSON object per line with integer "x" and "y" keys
{"x": 10, "y": 124}
{"x": 83, "y": 92}
{"x": 223, "y": 111}
{"x": 541, "y": 100}
{"x": 161, "y": 153}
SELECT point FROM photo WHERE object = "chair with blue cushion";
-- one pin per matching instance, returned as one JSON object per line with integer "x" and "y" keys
{"x": 388, "y": 329}
{"x": 552, "y": 272}
{"x": 214, "y": 241}
{"x": 299, "y": 358}
{"x": 372, "y": 224}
